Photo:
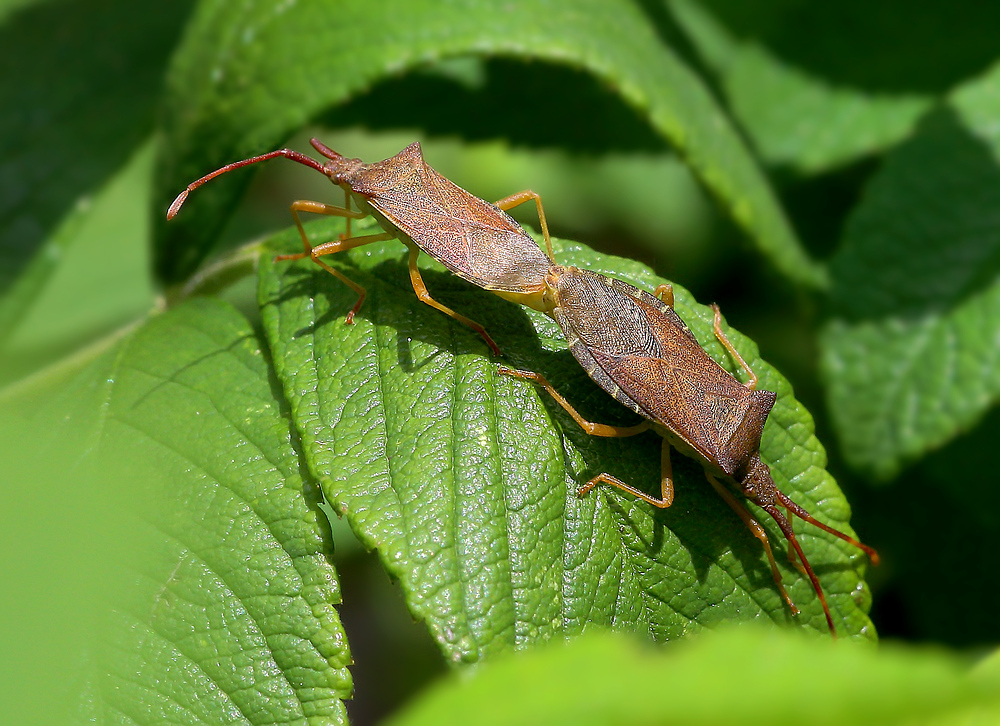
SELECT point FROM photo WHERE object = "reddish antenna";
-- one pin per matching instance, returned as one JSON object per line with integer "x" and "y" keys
{"x": 298, "y": 156}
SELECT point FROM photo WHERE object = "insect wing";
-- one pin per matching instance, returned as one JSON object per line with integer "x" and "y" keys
{"x": 472, "y": 238}
{"x": 638, "y": 349}
{"x": 701, "y": 415}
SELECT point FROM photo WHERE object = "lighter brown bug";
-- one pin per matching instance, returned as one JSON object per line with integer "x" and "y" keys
{"x": 474, "y": 239}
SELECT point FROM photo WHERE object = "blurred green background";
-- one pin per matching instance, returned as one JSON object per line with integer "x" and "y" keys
{"x": 871, "y": 123}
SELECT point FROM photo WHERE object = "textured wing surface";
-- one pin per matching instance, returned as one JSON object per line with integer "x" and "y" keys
{"x": 472, "y": 238}
{"x": 638, "y": 349}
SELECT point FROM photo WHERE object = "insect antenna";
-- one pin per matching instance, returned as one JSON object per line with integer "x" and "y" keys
{"x": 324, "y": 149}
{"x": 301, "y": 158}
{"x": 803, "y": 514}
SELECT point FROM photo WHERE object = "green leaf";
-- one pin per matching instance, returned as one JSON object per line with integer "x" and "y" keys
{"x": 93, "y": 277}
{"x": 64, "y": 540}
{"x": 809, "y": 105}
{"x": 78, "y": 88}
{"x": 242, "y": 85}
{"x": 227, "y": 616}
{"x": 795, "y": 118}
{"x": 811, "y": 125}
{"x": 910, "y": 356}
{"x": 465, "y": 480}
{"x": 741, "y": 676}
{"x": 989, "y": 667}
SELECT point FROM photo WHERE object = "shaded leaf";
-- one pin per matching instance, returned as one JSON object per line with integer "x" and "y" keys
{"x": 941, "y": 515}
{"x": 237, "y": 88}
{"x": 64, "y": 134}
{"x": 910, "y": 356}
{"x": 745, "y": 676}
{"x": 809, "y": 105}
{"x": 472, "y": 99}
{"x": 465, "y": 480}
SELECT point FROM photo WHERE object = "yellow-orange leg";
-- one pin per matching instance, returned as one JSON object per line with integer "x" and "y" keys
{"x": 666, "y": 482}
{"x": 758, "y": 532}
{"x": 717, "y": 326}
{"x": 665, "y": 293}
{"x": 347, "y": 219}
{"x": 594, "y": 429}
{"x": 425, "y": 297}
{"x": 526, "y": 196}
{"x": 328, "y": 248}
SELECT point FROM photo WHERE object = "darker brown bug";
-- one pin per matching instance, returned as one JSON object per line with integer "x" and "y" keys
{"x": 638, "y": 349}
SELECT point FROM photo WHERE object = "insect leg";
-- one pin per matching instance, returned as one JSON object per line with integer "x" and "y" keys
{"x": 425, "y": 297}
{"x": 717, "y": 326}
{"x": 594, "y": 429}
{"x": 347, "y": 218}
{"x": 666, "y": 474}
{"x": 618, "y": 483}
{"x": 666, "y": 482}
{"x": 665, "y": 293}
{"x": 328, "y": 248}
{"x": 792, "y": 557}
{"x": 758, "y": 532}
{"x": 520, "y": 198}
{"x": 330, "y": 210}
{"x": 786, "y": 529}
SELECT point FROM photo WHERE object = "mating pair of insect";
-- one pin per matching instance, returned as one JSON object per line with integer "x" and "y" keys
{"x": 630, "y": 342}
